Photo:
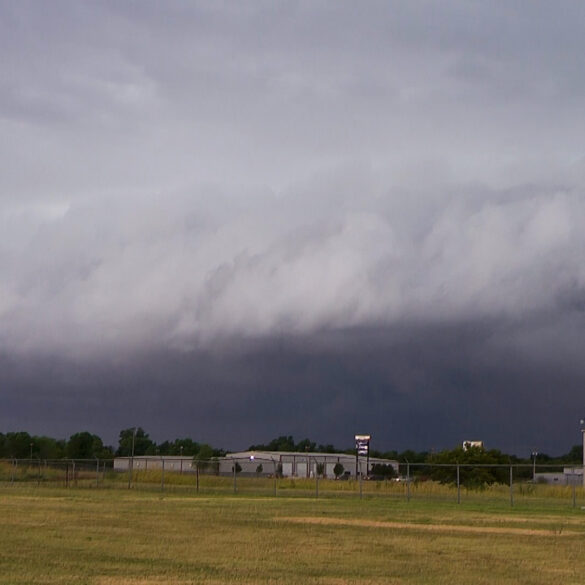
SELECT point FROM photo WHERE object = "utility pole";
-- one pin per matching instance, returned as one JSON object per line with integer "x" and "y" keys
{"x": 582, "y": 421}
{"x": 131, "y": 462}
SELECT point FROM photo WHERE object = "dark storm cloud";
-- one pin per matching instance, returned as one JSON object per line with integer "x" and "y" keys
{"x": 411, "y": 386}
{"x": 422, "y": 327}
{"x": 234, "y": 220}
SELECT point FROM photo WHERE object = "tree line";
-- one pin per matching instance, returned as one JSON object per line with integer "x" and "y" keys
{"x": 286, "y": 443}
{"x": 478, "y": 467}
{"x": 85, "y": 445}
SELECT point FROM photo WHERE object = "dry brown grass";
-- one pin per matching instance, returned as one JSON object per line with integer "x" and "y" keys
{"x": 434, "y": 527}
{"x": 66, "y": 537}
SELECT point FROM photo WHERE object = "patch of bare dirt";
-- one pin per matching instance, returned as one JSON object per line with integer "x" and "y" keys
{"x": 430, "y": 527}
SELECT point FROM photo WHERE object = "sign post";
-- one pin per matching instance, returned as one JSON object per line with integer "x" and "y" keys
{"x": 362, "y": 447}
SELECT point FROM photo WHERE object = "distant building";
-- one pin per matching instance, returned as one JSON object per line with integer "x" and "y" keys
{"x": 261, "y": 463}
{"x": 471, "y": 444}
{"x": 569, "y": 476}
{"x": 151, "y": 462}
{"x": 300, "y": 464}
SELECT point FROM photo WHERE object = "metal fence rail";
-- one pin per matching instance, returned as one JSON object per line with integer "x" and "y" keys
{"x": 518, "y": 484}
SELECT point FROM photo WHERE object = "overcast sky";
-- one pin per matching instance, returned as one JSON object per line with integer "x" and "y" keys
{"x": 236, "y": 220}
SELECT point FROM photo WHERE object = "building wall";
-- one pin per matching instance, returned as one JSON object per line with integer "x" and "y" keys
{"x": 293, "y": 464}
{"x": 145, "y": 463}
{"x": 297, "y": 464}
{"x": 569, "y": 476}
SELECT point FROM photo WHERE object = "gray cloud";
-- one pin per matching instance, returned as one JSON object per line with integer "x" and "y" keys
{"x": 185, "y": 271}
{"x": 205, "y": 182}
{"x": 411, "y": 386}
{"x": 112, "y": 96}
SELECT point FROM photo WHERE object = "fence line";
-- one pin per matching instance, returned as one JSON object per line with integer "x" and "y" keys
{"x": 465, "y": 482}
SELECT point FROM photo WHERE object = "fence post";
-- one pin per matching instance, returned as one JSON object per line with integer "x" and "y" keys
{"x": 511, "y": 486}
{"x": 130, "y": 469}
{"x": 197, "y": 477}
{"x": 574, "y": 487}
{"x": 162, "y": 476}
{"x": 316, "y": 484}
{"x": 235, "y": 483}
{"x": 458, "y": 485}
{"x": 97, "y": 473}
{"x": 407, "y": 481}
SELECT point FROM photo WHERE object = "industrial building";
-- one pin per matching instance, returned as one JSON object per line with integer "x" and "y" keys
{"x": 150, "y": 462}
{"x": 569, "y": 476}
{"x": 262, "y": 463}
{"x": 291, "y": 464}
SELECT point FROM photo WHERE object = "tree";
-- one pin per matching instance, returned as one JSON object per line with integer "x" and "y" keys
{"x": 84, "y": 445}
{"x": 259, "y": 469}
{"x": 306, "y": 445}
{"x": 338, "y": 470}
{"x": 470, "y": 476}
{"x": 202, "y": 458}
{"x": 282, "y": 443}
{"x": 19, "y": 445}
{"x": 382, "y": 470}
{"x": 575, "y": 455}
{"x": 186, "y": 447}
{"x": 48, "y": 448}
{"x": 142, "y": 443}
{"x": 328, "y": 448}
{"x": 410, "y": 456}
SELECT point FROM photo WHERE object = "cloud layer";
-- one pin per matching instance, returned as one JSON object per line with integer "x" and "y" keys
{"x": 187, "y": 270}
{"x": 209, "y": 183}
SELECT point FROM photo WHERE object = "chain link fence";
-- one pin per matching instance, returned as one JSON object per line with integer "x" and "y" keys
{"x": 516, "y": 484}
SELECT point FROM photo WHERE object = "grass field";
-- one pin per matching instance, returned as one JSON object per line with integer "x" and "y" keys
{"x": 130, "y": 537}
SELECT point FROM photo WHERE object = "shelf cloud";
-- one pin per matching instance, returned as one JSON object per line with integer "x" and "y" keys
{"x": 241, "y": 220}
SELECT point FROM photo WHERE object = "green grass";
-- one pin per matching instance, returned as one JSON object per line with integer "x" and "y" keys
{"x": 60, "y": 474}
{"x": 132, "y": 537}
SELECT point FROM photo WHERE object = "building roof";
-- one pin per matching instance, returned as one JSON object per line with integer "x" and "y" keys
{"x": 278, "y": 455}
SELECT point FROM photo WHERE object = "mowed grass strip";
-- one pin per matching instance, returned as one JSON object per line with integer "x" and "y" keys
{"x": 434, "y": 527}
{"x": 125, "y": 537}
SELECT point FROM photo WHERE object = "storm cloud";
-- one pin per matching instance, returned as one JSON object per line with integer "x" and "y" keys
{"x": 232, "y": 221}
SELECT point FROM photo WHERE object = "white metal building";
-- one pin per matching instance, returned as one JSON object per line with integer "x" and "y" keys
{"x": 146, "y": 462}
{"x": 298, "y": 464}
{"x": 261, "y": 463}
{"x": 569, "y": 476}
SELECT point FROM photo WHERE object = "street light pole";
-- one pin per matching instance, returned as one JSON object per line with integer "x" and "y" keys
{"x": 582, "y": 421}
{"x": 131, "y": 467}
